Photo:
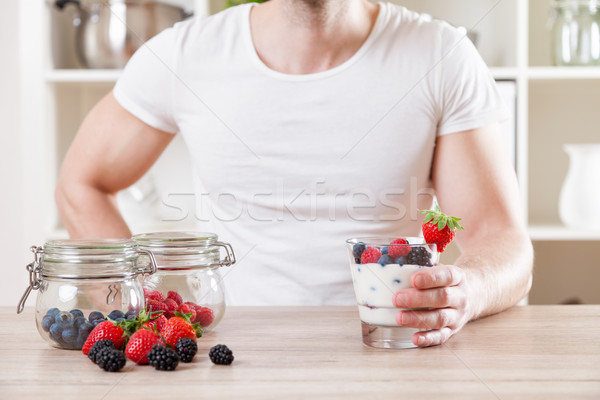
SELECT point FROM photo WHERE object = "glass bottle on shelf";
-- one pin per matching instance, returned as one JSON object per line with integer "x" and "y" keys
{"x": 576, "y": 32}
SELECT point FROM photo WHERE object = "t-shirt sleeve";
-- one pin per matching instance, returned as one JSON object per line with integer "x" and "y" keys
{"x": 146, "y": 85}
{"x": 469, "y": 97}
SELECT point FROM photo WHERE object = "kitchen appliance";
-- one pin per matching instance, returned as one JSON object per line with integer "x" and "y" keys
{"x": 108, "y": 32}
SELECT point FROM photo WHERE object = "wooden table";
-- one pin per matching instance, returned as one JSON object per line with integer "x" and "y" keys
{"x": 533, "y": 352}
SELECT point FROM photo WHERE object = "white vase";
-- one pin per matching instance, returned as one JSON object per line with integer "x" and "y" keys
{"x": 579, "y": 204}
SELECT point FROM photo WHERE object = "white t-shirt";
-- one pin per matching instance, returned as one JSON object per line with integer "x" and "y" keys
{"x": 287, "y": 167}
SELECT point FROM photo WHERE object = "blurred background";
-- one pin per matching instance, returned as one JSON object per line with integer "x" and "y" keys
{"x": 60, "y": 57}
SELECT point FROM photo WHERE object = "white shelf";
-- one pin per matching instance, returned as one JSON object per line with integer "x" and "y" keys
{"x": 561, "y": 233}
{"x": 111, "y": 75}
{"x": 563, "y": 73}
{"x": 505, "y": 72}
{"x": 83, "y": 75}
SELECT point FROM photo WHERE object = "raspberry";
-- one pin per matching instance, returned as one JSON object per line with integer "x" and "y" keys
{"x": 186, "y": 349}
{"x": 398, "y": 251}
{"x": 370, "y": 255}
{"x": 171, "y": 306}
{"x": 162, "y": 358}
{"x": 154, "y": 295}
{"x": 221, "y": 355}
{"x": 204, "y": 316}
{"x": 175, "y": 296}
{"x": 153, "y": 305}
{"x": 187, "y": 309}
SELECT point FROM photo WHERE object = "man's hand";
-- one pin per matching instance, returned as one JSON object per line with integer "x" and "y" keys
{"x": 443, "y": 290}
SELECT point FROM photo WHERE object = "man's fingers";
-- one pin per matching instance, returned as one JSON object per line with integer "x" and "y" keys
{"x": 450, "y": 296}
{"x": 429, "y": 320}
{"x": 438, "y": 276}
{"x": 432, "y": 338}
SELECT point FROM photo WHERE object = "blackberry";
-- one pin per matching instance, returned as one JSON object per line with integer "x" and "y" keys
{"x": 186, "y": 349}
{"x": 419, "y": 256}
{"x": 220, "y": 354}
{"x": 162, "y": 358}
{"x": 99, "y": 345}
{"x": 110, "y": 359}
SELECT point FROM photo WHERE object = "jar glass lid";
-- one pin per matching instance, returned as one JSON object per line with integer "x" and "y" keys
{"x": 176, "y": 239}
{"x": 185, "y": 250}
{"x": 79, "y": 258}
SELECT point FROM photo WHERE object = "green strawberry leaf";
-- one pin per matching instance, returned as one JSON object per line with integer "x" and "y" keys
{"x": 428, "y": 218}
{"x": 452, "y": 224}
{"x": 441, "y": 225}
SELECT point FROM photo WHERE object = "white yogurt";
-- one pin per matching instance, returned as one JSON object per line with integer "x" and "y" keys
{"x": 375, "y": 286}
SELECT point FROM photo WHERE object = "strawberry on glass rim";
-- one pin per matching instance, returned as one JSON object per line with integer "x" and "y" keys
{"x": 439, "y": 228}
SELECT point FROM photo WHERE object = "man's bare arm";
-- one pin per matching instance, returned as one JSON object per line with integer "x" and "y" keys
{"x": 111, "y": 151}
{"x": 473, "y": 180}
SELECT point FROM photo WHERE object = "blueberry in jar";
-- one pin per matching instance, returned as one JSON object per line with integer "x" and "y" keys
{"x": 47, "y": 322}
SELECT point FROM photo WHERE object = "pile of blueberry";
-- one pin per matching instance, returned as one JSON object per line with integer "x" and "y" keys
{"x": 414, "y": 255}
{"x": 70, "y": 329}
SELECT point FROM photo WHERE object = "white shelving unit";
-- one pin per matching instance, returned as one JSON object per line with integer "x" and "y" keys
{"x": 513, "y": 39}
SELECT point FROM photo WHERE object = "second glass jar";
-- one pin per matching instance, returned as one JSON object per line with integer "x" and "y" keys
{"x": 187, "y": 274}
{"x": 576, "y": 32}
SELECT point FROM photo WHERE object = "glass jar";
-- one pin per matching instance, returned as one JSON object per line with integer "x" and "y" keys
{"x": 576, "y": 32}
{"x": 82, "y": 282}
{"x": 187, "y": 273}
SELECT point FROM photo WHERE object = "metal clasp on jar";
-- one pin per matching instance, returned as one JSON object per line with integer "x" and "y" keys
{"x": 34, "y": 276}
{"x": 151, "y": 268}
{"x": 230, "y": 258}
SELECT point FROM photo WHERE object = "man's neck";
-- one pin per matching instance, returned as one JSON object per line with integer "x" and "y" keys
{"x": 308, "y": 36}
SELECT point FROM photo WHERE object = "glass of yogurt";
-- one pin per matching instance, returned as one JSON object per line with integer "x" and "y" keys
{"x": 380, "y": 268}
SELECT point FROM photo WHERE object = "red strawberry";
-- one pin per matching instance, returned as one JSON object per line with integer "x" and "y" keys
{"x": 439, "y": 228}
{"x": 154, "y": 295}
{"x": 370, "y": 255}
{"x": 188, "y": 309}
{"x": 172, "y": 306}
{"x": 204, "y": 316}
{"x": 177, "y": 328}
{"x": 104, "y": 330}
{"x": 401, "y": 250}
{"x": 159, "y": 323}
{"x": 171, "y": 294}
{"x": 139, "y": 344}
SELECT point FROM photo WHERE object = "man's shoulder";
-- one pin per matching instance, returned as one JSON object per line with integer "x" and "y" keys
{"x": 217, "y": 27}
{"x": 402, "y": 21}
